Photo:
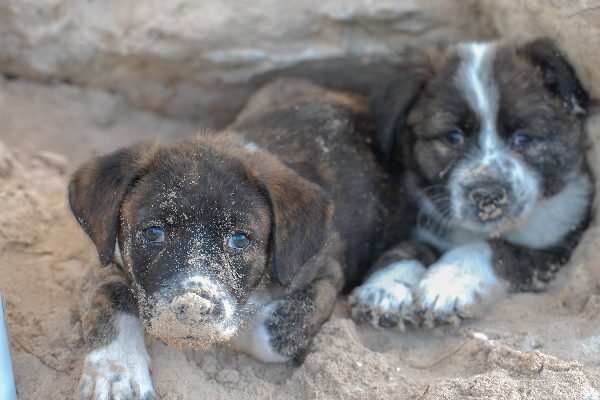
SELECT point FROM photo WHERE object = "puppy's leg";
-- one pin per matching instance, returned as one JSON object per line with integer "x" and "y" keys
{"x": 528, "y": 269}
{"x": 385, "y": 299}
{"x": 281, "y": 329}
{"x": 117, "y": 363}
{"x": 460, "y": 284}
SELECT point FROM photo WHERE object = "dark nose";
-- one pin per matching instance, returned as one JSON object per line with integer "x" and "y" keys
{"x": 490, "y": 198}
{"x": 489, "y": 193}
{"x": 192, "y": 308}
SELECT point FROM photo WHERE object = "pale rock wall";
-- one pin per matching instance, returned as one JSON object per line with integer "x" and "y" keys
{"x": 575, "y": 24}
{"x": 202, "y": 59}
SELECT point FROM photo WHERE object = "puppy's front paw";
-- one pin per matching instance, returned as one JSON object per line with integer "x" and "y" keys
{"x": 119, "y": 370}
{"x": 460, "y": 285}
{"x": 288, "y": 326}
{"x": 107, "y": 375}
{"x": 276, "y": 332}
{"x": 386, "y": 299}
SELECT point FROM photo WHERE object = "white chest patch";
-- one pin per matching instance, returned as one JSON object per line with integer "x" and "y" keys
{"x": 458, "y": 237}
{"x": 120, "y": 369}
{"x": 548, "y": 222}
{"x": 551, "y": 219}
{"x": 461, "y": 283}
{"x": 253, "y": 337}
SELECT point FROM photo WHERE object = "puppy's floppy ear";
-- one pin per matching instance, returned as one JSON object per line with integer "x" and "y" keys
{"x": 390, "y": 103}
{"x": 558, "y": 74}
{"x": 96, "y": 191}
{"x": 302, "y": 214}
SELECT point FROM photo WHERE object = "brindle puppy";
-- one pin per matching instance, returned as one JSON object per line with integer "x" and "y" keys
{"x": 488, "y": 140}
{"x": 225, "y": 238}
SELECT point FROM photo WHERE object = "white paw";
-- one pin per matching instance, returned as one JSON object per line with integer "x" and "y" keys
{"x": 459, "y": 285}
{"x": 253, "y": 337}
{"x": 119, "y": 370}
{"x": 386, "y": 299}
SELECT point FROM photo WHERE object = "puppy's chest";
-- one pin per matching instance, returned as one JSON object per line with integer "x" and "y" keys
{"x": 535, "y": 237}
{"x": 444, "y": 239}
{"x": 542, "y": 230}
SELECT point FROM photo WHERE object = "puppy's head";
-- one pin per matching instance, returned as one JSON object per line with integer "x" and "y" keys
{"x": 199, "y": 225}
{"x": 485, "y": 130}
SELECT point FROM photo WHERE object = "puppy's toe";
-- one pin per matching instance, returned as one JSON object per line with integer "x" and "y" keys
{"x": 444, "y": 297}
{"x": 140, "y": 383}
{"x": 117, "y": 371}
{"x": 122, "y": 388}
{"x": 86, "y": 387}
{"x": 386, "y": 307}
{"x": 114, "y": 378}
{"x": 386, "y": 299}
{"x": 441, "y": 301}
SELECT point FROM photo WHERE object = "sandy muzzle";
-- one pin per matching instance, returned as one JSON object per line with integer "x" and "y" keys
{"x": 191, "y": 321}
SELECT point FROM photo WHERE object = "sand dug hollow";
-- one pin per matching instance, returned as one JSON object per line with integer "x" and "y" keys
{"x": 530, "y": 346}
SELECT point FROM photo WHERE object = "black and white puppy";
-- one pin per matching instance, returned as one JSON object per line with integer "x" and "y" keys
{"x": 226, "y": 238}
{"x": 488, "y": 141}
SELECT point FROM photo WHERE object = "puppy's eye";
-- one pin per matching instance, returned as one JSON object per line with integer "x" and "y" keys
{"x": 454, "y": 138}
{"x": 154, "y": 234}
{"x": 521, "y": 140}
{"x": 239, "y": 241}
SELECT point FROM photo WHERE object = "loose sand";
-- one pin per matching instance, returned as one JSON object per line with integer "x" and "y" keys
{"x": 529, "y": 346}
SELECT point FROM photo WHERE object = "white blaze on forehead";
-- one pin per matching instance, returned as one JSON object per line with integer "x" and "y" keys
{"x": 475, "y": 79}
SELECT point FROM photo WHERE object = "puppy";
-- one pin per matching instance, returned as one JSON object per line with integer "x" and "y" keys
{"x": 487, "y": 139}
{"x": 227, "y": 238}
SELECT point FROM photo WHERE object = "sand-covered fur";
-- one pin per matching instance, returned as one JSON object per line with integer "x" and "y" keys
{"x": 230, "y": 237}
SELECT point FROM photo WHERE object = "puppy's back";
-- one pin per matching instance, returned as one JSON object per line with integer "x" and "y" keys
{"x": 327, "y": 137}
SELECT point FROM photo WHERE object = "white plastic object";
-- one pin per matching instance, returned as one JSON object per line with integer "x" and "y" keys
{"x": 7, "y": 380}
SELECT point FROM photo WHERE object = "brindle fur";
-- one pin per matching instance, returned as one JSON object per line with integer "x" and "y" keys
{"x": 320, "y": 155}
{"x": 105, "y": 292}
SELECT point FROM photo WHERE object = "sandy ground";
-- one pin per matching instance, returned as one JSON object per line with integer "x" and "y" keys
{"x": 529, "y": 346}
